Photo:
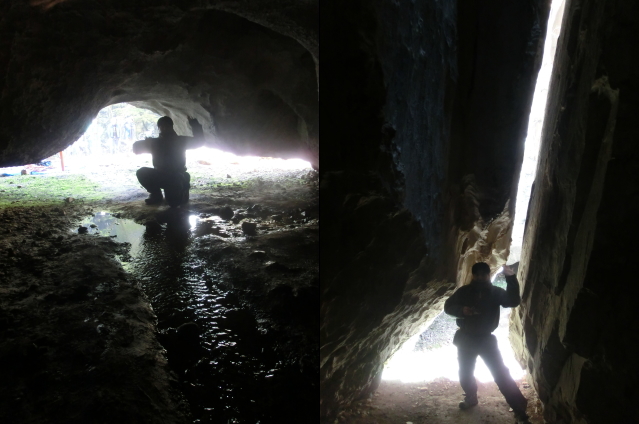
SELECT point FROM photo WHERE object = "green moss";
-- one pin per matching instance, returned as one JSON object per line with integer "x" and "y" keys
{"x": 42, "y": 190}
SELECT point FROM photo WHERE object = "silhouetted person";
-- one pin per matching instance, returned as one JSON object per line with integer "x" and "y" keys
{"x": 169, "y": 163}
{"x": 477, "y": 307}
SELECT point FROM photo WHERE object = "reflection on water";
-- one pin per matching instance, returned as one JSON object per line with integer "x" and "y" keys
{"x": 123, "y": 230}
{"x": 228, "y": 367}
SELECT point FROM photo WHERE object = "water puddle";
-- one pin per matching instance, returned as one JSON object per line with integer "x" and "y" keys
{"x": 226, "y": 362}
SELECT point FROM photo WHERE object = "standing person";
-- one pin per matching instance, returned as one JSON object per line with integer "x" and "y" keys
{"x": 169, "y": 163}
{"x": 476, "y": 307}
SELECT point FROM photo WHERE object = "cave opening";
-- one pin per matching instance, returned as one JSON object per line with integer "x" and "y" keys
{"x": 104, "y": 150}
{"x": 110, "y": 135}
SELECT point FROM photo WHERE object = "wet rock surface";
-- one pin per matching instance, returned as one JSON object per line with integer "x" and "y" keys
{"x": 577, "y": 329}
{"x": 181, "y": 322}
{"x": 77, "y": 334}
{"x": 241, "y": 335}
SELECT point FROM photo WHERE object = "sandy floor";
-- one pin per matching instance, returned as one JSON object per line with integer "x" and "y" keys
{"x": 436, "y": 403}
{"x": 413, "y": 400}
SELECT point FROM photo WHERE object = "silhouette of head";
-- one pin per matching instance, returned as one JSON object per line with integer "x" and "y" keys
{"x": 165, "y": 123}
{"x": 481, "y": 271}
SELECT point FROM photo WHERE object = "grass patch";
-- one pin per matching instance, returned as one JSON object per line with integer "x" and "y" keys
{"x": 205, "y": 181}
{"x": 43, "y": 190}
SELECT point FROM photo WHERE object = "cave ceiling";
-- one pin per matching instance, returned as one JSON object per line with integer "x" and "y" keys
{"x": 247, "y": 70}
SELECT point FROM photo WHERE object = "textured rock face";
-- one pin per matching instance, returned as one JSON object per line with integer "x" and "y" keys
{"x": 246, "y": 69}
{"x": 577, "y": 329}
{"x": 426, "y": 111}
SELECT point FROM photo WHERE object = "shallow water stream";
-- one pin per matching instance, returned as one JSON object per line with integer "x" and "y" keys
{"x": 225, "y": 354}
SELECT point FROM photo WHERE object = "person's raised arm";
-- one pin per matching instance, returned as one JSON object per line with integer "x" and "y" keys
{"x": 198, "y": 135}
{"x": 512, "y": 298}
{"x": 142, "y": 146}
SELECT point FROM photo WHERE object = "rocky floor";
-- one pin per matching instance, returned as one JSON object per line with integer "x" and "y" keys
{"x": 213, "y": 318}
{"x": 436, "y": 403}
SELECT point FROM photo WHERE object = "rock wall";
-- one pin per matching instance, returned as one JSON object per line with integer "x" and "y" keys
{"x": 577, "y": 330}
{"x": 425, "y": 107}
{"x": 246, "y": 69}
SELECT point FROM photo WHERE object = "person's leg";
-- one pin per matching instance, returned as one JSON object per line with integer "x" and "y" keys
{"x": 187, "y": 186}
{"x": 174, "y": 188}
{"x": 150, "y": 179}
{"x": 467, "y": 357}
{"x": 489, "y": 352}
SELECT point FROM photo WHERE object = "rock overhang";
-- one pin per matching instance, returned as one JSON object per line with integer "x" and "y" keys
{"x": 252, "y": 85}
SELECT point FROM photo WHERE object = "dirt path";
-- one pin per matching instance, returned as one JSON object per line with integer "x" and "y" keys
{"x": 436, "y": 403}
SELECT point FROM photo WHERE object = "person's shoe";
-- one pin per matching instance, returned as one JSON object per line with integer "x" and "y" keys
{"x": 154, "y": 199}
{"x": 521, "y": 417}
{"x": 468, "y": 402}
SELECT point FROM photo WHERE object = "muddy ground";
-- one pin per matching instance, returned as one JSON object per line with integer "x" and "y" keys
{"x": 204, "y": 323}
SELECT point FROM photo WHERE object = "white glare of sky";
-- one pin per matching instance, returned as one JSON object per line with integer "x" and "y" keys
{"x": 409, "y": 366}
{"x": 535, "y": 126}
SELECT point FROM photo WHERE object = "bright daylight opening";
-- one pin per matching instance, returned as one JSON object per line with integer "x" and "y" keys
{"x": 430, "y": 354}
{"x": 107, "y": 143}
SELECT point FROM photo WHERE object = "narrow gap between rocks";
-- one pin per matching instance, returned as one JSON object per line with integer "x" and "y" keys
{"x": 420, "y": 381}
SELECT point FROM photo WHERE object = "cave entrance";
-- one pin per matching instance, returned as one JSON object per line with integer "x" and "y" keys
{"x": 109, "y": 137}
{"x": 100, "y": 166}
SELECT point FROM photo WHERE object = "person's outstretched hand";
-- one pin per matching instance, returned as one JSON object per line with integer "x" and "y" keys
{"x": 508, "y": 271}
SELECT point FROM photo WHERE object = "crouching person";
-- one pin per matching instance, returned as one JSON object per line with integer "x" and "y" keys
{"x": 169, "y": 163}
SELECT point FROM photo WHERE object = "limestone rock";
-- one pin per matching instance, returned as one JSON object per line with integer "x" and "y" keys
{"x": 577, "y": 329}
{"x": 249, "y": 228}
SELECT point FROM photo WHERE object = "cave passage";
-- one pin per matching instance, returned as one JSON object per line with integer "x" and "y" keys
{"x": 231, "y": 277}
{"x": 414, "y": 360}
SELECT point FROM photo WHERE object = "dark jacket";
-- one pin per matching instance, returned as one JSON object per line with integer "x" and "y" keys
{"x": 169, "y": 150}
{"x": 486, "y": 299}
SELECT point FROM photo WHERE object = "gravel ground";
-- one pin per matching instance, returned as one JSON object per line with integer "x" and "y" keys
{"x": 439, "y": 334}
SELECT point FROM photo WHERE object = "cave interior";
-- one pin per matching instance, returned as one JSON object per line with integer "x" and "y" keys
{"x": 115, "y": 311}
{"x": 426, "y": 105}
